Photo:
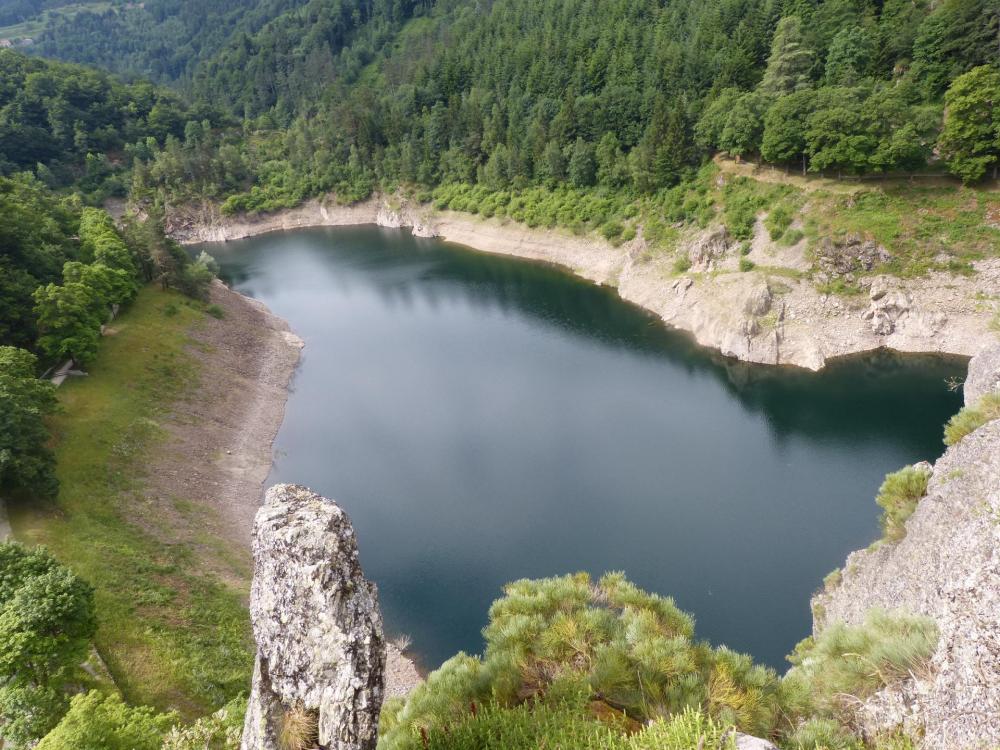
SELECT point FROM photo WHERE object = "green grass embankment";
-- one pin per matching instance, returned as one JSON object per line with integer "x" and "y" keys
{"x": 172, "y": 634}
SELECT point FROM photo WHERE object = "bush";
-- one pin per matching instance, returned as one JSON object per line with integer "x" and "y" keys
{"x": 612, "y": 230}
{"x": 621, "y": 646}
{"x": 778, "y": 220}
{"x": 746, "y": 264}
{"x": 898, "y": 497}
{"x": 196, "y": 276}
{"x": 220, "y": 731}
{"x": 845, "y": 663}
{"x": 567, "y": 719}
{"x": 792, "y": 237}
{"x": 823, "y": 734}
{"x": 46, "y": 623}
{"x": 104, "y": 722}
{"x": 216, "y": 312}
{"x": 682, "y": 264}
{"x": 971, "y": 418}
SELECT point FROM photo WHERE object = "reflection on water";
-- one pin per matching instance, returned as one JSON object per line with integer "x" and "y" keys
{"x": 484, "y": 419}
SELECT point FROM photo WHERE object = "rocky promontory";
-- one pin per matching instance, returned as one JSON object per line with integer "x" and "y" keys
{"x": 320, "y": 648}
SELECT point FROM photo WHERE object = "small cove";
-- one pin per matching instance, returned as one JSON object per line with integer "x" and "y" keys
{"x": 484, "y": 419}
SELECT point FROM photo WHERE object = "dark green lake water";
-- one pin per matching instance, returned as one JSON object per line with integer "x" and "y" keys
{"x": 484, "y": 419}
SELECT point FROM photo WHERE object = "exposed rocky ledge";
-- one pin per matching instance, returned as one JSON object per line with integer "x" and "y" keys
{"x": 317, "y": 624}
{"x": 769, "y": 315}
{"x": 947, "y": 567}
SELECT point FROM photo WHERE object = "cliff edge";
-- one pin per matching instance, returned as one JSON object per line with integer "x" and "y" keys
{"x": 947, "y": 567}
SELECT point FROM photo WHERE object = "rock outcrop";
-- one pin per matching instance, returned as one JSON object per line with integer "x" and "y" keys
{"x": 947, "y": 567}
{"x": 853, "y": 254}
{"x": 316, "y": 620}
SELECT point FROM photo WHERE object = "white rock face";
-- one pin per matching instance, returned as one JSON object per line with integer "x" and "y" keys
{"x": 317, "y": 624}
{"x": 947, "y": 567}
{"x": 984, "y": 375}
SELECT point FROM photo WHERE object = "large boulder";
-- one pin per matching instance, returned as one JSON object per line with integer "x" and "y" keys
{"x": 316, "y": 620}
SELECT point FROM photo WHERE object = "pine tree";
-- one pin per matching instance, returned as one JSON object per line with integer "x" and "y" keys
{"x": 789, "y": 62}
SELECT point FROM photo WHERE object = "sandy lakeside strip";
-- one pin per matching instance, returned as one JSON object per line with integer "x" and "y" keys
{"x": 773, "y": 314}
{"x": 219, "y": 446}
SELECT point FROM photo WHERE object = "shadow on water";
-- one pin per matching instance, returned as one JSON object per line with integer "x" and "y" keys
{"x": 484, "y": 418}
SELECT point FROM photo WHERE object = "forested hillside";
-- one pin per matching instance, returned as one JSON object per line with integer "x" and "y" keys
{"x": 625, "y": 94}
{"x": 162, "y": 40}
{"x": 70, "y": 125}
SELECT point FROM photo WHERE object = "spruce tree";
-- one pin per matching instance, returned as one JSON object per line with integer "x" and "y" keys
{"x": 789, "y": 62}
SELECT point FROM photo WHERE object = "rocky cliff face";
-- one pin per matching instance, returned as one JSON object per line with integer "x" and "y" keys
{"x": 316, "y": 620}
{"x": 947, "y": 567}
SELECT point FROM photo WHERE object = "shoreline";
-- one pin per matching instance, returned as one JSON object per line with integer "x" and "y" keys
{"x": 244, "y": 408}
{"x": 770, "y": 315}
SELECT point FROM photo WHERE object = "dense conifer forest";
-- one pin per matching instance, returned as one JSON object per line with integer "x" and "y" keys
{"x": 619, "y": 95}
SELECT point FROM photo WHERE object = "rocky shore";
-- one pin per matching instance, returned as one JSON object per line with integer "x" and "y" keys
{"x": 774, "y": 314}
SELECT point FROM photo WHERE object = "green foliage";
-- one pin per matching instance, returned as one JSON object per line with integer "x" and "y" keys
{"x": 823, "y": 734}
{"x": 621, "y": 646}
{"x": 219, "y": 731}
{"x": 970, "y": 140}
{"x": 845, "y": 663}
{"x": 566, "y": 724}
{"x": 194, "y": 278}
{"x": 46, "y": 623}
{"x": 746, "y": 264}
{"x": 47, "y": 616}
{"x": 66, "y": 118}
{"x": 104, "y": 722}
{"x": 346, "y": 98}
{"x": 69, "y": 320}
{"x": 26, "y": 463}
{"x": 971, "y": 418}
{"x": 36, "y": 228}
{"x": 898, "y": 497}
{"x": 744, "y": 199}
{"x": 789, "y": 62}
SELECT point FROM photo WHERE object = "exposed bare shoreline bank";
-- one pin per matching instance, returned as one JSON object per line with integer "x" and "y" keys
{"x": 771, "y": 315}
{"x": 229, "y": 423}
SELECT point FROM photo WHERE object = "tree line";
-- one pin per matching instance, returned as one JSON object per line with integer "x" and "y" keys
{"x": 63, "y": 269}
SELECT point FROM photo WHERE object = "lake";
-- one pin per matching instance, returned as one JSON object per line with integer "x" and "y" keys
{"x": 484, "y": 419}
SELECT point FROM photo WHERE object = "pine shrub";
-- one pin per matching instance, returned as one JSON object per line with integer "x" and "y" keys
{"x": 624, "y": 648}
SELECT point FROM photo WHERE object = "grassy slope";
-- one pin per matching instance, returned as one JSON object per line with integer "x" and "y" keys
{"x": 939, "y": 225}
{"x": 172, "y": 635}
